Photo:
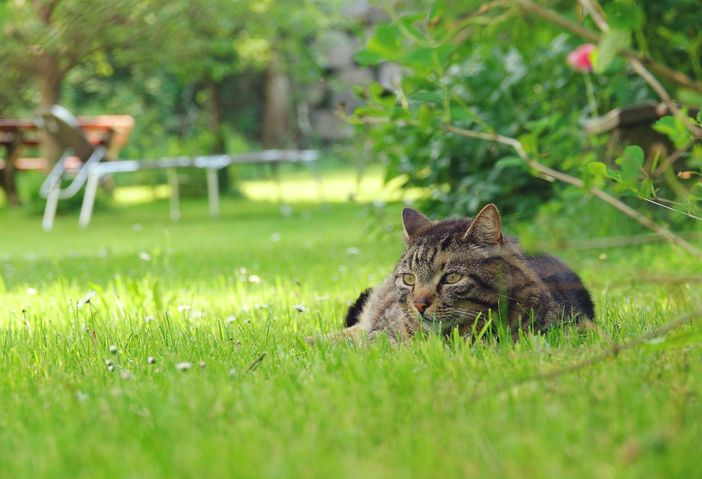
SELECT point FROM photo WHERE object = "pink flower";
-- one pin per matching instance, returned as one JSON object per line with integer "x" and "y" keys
{"x": 581, "y": 58}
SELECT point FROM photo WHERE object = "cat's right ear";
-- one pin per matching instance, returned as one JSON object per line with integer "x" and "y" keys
{"x": 413, "y": 221}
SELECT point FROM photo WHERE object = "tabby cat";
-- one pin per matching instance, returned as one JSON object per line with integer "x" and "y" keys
{"x": 459, "y": 272}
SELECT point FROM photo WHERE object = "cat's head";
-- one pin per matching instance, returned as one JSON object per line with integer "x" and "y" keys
{"x": 447, "y": 276}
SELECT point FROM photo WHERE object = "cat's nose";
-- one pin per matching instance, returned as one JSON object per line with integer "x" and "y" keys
{"x": 422, "y": 304}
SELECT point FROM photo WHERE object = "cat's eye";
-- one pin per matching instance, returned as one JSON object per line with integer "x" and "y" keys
{"x": 452, "y": 278}
{"x": 408, "y": 278}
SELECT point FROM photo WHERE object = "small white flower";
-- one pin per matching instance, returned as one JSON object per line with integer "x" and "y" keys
{"x": 113, "y": 349}
{"x": 108, "y": 363}
{"x": 184, "y": 366}
{"x": 31, "y": 291}
{"x": 151, "y": 360}
{"x": 86, "y": 299}
{"x": 81, "y": 396}
{"x": 183, "y": 308}
{"x": 254, "y": 279}
{"x": 230, "y": 319}
{"x": 242, "y": 270}
{"x": 111, "y": 367}
{"x": 144, "y": 256}
{"x": 201, "y": 364}
{"x": 149, "y": 318}
{"x": 300, "y": 308}
{"x": 232, "y": 372}
{"x": 275, "y": 237}
{"x": 126, "y": 375}
{"x": 353, "y": 251}
{"x": 197, "y": 314}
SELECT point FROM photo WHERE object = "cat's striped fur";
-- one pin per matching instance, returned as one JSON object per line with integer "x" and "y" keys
{"x": 454, "y": 272}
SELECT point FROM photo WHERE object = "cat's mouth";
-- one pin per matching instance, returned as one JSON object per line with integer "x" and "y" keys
{"x": 430, "y": 322}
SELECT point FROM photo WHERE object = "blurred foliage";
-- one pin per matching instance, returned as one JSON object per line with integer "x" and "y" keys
{"x": 492, "y": 68}
{"x": 190, "y": 72}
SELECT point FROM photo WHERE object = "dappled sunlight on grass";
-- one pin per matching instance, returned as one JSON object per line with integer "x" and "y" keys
{"x": 296, "y": 185}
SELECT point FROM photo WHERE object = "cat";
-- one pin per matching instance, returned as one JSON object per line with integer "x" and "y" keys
{"x": 458, "y": 273}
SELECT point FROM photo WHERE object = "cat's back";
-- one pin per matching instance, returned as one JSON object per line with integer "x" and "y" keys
{"x": 564, "y": 284}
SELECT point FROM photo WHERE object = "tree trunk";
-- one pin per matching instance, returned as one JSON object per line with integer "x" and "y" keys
{"x": 215, "y": 123}
{"x": 276, "y": 129}
{"x": 49, "y": 78}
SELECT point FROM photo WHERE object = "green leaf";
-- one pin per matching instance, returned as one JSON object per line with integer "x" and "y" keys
{"x": 612, "y": 41}
{"x": 462, "y": 113}
{"x": 385, "y": 44}
{"x": 509, "y": 162}
{"x": 631, "y": 163}
{"x": 594, "y": 173}
{"x": 625, "y": 16}
{"x": 674, "y": 129}
{"x": 425, "y": 96}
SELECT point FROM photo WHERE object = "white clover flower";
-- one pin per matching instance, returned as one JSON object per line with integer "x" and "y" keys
{"x": 254, "y": 279}
{"x": 32, "y": 291}
{"x": 183, "y": 308}
{"x": 300, "y": 308}
{"x": 183, "y": 366}
{"x": 144, "y": 256}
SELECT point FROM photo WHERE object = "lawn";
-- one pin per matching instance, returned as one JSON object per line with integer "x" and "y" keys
{"x": 223, "y": 307}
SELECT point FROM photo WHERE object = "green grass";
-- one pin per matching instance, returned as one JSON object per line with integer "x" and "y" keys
{"x": 224, "y": 292}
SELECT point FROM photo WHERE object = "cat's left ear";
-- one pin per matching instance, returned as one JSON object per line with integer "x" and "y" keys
{"x": 413, "y": 221}
{"x": 486, "y": 228}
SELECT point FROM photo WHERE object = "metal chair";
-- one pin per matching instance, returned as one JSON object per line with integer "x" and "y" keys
{"x": 78, "y": 155}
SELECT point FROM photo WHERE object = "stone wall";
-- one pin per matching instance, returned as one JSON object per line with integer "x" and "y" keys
{"x": 322, "y": 100}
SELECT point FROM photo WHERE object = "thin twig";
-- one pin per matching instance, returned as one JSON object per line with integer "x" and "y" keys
{"x": 608, "y": 353}
{"x": 566, "y": 178}
{"x": 594, "y": 10}
{"x": 257, "y": 362}
{"x": 653, "y": 202}
{"x": 672, "y": 158}
{"x": 611, "y": 242}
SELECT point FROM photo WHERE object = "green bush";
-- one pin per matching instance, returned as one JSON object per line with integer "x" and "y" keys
{"x": 498, "y": 71}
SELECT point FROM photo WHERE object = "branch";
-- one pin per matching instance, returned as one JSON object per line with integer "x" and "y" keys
{"x": 572, "y": 180}
{"x": 662, "y": 70}
{"x": 608, "y": 353}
